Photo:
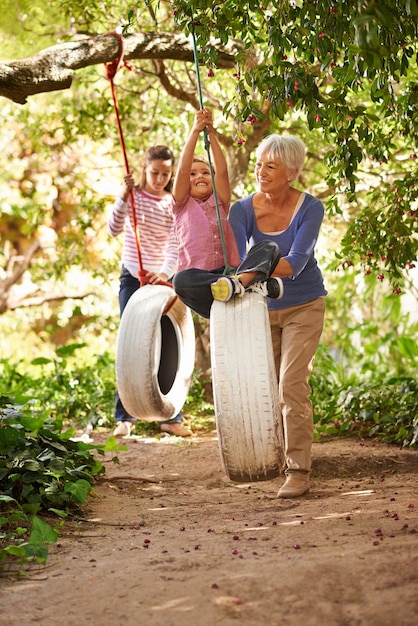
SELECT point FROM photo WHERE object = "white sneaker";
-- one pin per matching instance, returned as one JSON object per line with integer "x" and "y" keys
{"x": 272, "y": 287}
{"x": 123, "y": 429}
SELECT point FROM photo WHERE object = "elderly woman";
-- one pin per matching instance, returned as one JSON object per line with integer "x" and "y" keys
{"x": 277, "y": 217}
{"x": 291, "y": 218}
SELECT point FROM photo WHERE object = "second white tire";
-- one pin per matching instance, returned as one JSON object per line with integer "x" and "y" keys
{"x": 245, "y": 389}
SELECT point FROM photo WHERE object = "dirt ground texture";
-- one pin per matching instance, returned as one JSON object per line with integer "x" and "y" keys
{"x": 168, "y": 540}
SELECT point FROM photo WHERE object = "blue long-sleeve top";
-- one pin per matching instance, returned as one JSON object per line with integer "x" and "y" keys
{"x": 297, "y": 245}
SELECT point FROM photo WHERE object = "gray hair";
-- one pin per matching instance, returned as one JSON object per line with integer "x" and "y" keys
{"x": 287, "y": 148}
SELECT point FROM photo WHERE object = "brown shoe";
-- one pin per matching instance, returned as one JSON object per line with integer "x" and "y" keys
{"x": 176, "y": 429}
{"x": 294, "y": 487}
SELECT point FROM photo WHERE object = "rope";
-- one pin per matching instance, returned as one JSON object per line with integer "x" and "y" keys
{"x": 228, "y": 269}
{"x": 111, "y": 70}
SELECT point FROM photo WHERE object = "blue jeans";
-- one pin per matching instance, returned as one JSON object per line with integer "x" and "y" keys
{"x": 128, "y": 285}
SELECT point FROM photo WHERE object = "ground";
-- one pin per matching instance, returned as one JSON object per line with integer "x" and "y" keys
{"x": 168, "y": 540}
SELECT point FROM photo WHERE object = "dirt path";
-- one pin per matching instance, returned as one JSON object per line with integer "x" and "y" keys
{"x": 170, "y": 542}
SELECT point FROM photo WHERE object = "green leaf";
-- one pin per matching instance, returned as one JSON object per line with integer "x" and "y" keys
{"x": 69, "y": 349}
{"x": 7, "y": 499}
{"x": 79, "y": 490}
{"x": 58, "y": 512}
{"x": 18, "y": 551}
{"x": 42, "y": 532}
{"x": 41, "y": 361}
{"x": 38, "y": 550}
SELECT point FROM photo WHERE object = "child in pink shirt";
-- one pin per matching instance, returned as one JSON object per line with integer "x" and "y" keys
{"x": 196, "y": 220}
{"x": 202, "y": 257}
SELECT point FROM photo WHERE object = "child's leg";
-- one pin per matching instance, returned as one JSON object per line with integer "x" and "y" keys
{"x": 193, "y": 287}
{"x": 259, "y": 263}
{"x": 257, "y": 267}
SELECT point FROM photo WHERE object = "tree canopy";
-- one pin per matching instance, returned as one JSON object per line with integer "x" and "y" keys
{"x": 341, "y": 75}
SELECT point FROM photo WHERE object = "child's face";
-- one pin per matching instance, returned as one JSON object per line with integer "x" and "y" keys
{"x": 200, "y": 181}
{"x": 157, "y": 176}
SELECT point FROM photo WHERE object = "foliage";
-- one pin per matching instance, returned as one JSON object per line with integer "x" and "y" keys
{"x": 23, "y": 536}
{"x": 351, "y": 74}
{"x": 198, "y": 405}
{"x": 364, "y": 380}
{"x": 40, "y": 467}
{"x": 72, "y": 392}
{"x": 27, "y": 23}
{"x": 41, "y": 471}
{"x": 387, "y": 412}
{"x": 337, "y": 74}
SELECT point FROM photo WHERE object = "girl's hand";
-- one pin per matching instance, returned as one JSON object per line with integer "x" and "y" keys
{"x": 128, "y": 185}
{"x": 203, "y": 119}
{"x": 154, "y": 278}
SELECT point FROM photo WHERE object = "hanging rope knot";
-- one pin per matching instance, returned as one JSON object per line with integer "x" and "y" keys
{"x": 128, "y": 65}
{"x": 113, "y": 66}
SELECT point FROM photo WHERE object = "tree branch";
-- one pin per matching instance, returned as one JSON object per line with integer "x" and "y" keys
{"x": 53, "y": 69}
{"x": 42, "y": 299}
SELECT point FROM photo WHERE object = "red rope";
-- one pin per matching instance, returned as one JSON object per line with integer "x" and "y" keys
{"x": 111, "y": 71}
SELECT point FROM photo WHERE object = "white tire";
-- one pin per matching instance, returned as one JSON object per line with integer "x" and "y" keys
{"x": 155, "y": 354}
{"x": 245, "y": 389}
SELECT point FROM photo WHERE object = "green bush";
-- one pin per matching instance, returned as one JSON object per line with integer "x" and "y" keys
{"x": 364, "y": 399}
{"x": 388, "y": 412}
{"x": 42, "y": 471}
{"x": 71, "y": 389}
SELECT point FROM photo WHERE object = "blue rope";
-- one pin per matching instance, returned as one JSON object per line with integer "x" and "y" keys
{"x": 228, "y": 268}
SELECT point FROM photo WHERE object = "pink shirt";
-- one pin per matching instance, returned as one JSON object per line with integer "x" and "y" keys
{"x": 198, "y": 235}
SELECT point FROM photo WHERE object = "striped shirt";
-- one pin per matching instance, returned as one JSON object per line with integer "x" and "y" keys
{"x": 157, "y": 239}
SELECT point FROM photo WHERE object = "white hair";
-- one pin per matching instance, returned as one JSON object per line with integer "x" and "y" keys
{"x": 287, "y": 148}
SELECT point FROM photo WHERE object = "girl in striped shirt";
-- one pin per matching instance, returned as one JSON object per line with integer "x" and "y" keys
{"x": 154, "y": 217}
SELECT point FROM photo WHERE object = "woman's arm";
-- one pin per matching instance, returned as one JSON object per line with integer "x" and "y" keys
{"x": 304, "y": 241}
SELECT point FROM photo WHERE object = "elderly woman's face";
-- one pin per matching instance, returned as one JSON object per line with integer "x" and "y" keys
{"x": 270, "y": 173}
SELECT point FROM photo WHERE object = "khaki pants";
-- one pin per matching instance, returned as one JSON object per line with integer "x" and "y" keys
{"x": 295, "y": 334}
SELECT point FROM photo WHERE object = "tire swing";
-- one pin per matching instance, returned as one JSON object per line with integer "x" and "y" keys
{"x": 155, "y": 349}
{"x": 244, "y": 382}
{"x": 245, "y": 390}
{"x": 155, "y": 354}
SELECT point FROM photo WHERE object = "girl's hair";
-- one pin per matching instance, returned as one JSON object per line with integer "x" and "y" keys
{"x": 157, "y": 153}
{"x": 286, "y": 148}
{"x": 200, "y": 159}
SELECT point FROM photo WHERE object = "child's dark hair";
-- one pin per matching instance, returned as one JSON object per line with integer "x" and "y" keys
{"x": 157, "y": 153}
